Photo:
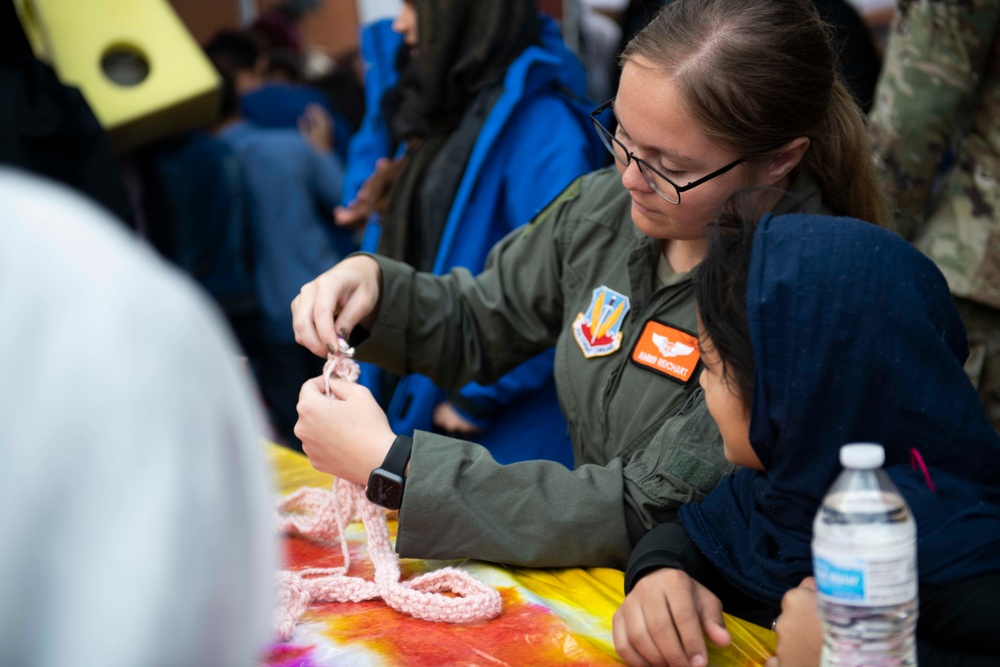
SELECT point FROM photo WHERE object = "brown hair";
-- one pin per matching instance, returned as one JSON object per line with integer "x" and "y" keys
{"x": 757, "y": 74}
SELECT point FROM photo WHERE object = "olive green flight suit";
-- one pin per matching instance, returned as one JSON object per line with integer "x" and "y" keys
{"x": 644, "y": 443}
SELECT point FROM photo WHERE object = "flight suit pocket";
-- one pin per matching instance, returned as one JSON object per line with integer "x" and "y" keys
{"x": 684, "y": 461}
{"x": 700, "y": 473}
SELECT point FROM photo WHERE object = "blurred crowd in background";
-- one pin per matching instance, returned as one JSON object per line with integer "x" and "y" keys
{"x": 246, "y": 203}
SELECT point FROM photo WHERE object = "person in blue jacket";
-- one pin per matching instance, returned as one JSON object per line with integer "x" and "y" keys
{"x": 490, "y": 120}
{"x": 269, "y": 101}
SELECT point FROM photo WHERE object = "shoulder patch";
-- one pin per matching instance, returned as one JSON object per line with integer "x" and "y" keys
{"x": 598, "y": 331}
{"x": 571, "y": 192}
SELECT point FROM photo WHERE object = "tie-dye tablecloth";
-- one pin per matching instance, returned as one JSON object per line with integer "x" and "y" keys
{"x": 550, "y": 617}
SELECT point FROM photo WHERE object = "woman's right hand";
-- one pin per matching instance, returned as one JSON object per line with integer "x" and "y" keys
{"x": 335, "y": 302}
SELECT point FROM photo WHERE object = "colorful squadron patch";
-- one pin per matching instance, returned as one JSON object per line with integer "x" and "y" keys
{"x": 598, "y": 331}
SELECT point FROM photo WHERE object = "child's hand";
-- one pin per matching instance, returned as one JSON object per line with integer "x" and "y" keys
{"x": 664, "y": 618}
{"x": 800, "y": 633}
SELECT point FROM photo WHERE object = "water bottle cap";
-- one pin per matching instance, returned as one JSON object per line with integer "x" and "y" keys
{"x": 862, "y": 456}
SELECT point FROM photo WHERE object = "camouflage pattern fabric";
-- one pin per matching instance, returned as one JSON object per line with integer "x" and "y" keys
{"x": 935, "y": 127}
{"x": 983, "y": 367}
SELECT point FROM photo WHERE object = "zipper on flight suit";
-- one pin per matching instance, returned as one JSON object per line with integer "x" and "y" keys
{"x": 647, "y": 313}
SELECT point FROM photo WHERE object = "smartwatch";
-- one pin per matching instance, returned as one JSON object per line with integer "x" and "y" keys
{"x": 385, "y": 484}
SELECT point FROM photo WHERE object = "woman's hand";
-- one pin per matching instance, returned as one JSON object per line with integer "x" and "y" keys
{"x": 448, "y": 419}
{"x": 662, "y": 621}
{"x": 347, "y": 434}
{"x": 354, "y": 215}
{"x": 800, "y": 632}
{"x": 316, "y": 127}
{"x": 373, "y": 195}
{"x": 335, "y": 302}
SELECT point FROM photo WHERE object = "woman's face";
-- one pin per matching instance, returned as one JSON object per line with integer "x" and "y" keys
{"x": 655, "y": 125}
{"x": 406, "y": 24}
{"x": 731, "y": 415}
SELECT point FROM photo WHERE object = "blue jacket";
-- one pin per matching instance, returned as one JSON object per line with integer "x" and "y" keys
{"x": 280, "y": 105}
{"x": 536, "y": 140}
{"x": 208, "y": 221}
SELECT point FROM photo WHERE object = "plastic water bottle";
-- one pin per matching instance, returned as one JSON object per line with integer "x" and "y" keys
{"x": 865, "y": 562}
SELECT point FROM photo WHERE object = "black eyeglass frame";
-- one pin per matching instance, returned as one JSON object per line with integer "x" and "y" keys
{"x": 607, "y": 135}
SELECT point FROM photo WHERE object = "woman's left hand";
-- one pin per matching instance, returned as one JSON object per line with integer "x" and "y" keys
{"x": 347, "y": 434}
{"x": 662, "y": 620}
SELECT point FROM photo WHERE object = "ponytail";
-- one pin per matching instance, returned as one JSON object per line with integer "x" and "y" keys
{"x": 840, "y": 161}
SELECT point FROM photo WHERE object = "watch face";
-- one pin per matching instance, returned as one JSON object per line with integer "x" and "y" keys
{"x": 385, "y": 489}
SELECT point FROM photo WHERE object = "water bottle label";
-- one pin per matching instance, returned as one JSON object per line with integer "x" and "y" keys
{"x": 875, "y": 580}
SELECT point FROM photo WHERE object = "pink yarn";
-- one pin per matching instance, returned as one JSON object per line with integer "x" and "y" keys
{"x": 324, "y": 515}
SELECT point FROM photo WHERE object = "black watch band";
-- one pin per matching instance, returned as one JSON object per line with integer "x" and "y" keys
{"x": 398, "y": 456}
{"x": 385, "y": 484}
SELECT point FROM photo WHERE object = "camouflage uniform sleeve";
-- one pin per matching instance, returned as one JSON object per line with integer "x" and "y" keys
{"x": 936, "y": 58}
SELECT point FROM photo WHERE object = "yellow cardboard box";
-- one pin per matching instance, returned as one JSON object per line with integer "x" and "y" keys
{"x": 135, "y": 62}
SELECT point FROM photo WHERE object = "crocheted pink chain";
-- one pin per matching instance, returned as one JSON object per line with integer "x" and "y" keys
{"x": 323, "y": 515}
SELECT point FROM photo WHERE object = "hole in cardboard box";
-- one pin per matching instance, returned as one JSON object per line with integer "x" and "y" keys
{"x": 125, "y": 65}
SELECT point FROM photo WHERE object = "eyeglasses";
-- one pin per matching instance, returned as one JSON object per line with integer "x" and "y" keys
{"x": 661, "y": 184}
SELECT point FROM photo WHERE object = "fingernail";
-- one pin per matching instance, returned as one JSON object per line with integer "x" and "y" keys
{"x": 698, "y": 661}
{"x": 342, "y": 333}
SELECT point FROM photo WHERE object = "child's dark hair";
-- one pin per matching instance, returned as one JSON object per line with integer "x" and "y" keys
{"x": 720, "y": 285}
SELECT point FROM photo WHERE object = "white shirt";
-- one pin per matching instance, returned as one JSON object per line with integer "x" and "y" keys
{"x": 135, "y": 521}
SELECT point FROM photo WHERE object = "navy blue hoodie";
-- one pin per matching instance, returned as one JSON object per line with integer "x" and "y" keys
{"x": 856, "y": 339}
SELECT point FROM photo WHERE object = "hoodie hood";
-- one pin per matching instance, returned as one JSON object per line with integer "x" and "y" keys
{"x": 856, "y": 339}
